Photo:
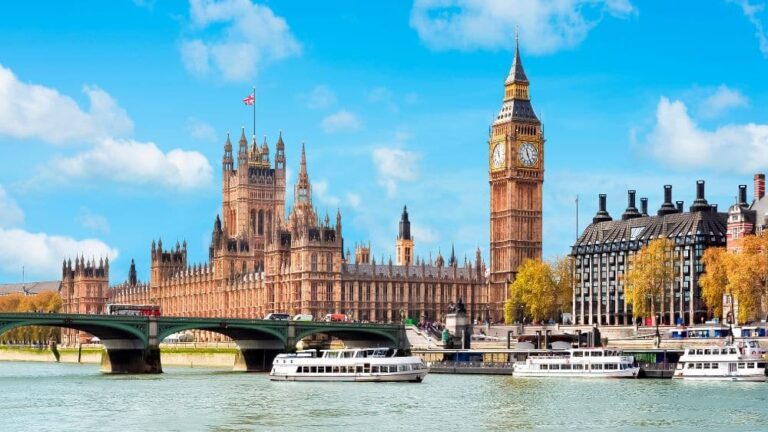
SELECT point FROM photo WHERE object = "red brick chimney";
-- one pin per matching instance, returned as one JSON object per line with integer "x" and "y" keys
{"x": 759, "y": 186}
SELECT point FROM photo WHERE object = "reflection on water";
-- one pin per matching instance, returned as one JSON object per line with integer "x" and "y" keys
{"x": 54, "y": 397}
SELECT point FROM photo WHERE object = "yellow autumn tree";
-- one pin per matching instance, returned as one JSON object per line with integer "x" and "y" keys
{"x": 534, "y": 289}
{"x": 562, "y": 275}
{"x": 714, "y": 283}
{"x": 651, "y": 271}
{"x": 748, "y": 276}
{"x": 46, "y": 301}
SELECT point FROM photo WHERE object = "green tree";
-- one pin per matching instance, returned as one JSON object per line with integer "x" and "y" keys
{"x": 562, "y": 275}
{"x": 651, "y": 271}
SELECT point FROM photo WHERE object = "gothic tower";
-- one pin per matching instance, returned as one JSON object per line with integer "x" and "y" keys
{"x": 253, "y": 195}
{"x": 404, "y": 245}
{"x": 516, "y": 175}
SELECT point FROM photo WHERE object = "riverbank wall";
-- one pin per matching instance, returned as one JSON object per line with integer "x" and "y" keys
{"x": 204, "y": 357}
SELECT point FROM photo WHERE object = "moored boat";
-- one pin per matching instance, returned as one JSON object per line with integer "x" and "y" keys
{"x": 739, "y": 361}
{"x": 578, "y": 363}
{"x": 361, "y": 364}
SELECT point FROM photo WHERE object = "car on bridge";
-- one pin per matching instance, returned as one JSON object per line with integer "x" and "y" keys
{"x": 278, "y": 316}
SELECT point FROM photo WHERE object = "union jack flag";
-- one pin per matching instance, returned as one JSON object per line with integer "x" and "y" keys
{"x": 249, "y": 100}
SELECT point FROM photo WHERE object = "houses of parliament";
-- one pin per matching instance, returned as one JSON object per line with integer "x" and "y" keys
{"x": 262, "y": 261}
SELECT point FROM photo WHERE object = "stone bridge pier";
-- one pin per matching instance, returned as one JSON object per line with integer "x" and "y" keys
{"x": 126, "y": 356}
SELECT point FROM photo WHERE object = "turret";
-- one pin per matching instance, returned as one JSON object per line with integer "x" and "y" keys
{"x": 265, "y": 152}
{"x": 242, "y": 152}
{"x": 280, "y": 154}
{"x": 227, "y": 160}
{"x": 132, "y": 279}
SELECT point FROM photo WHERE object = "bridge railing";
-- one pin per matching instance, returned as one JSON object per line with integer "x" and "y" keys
{"x": 37, "y": 315}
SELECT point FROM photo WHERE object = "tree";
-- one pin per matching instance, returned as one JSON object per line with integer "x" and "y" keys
{"x": 651, "y": 271}
{"x": 46, "y": 301}
{"x": 562, "y": 275}
{"x": 714, "y": 282}
{"x": 534, "y": 290}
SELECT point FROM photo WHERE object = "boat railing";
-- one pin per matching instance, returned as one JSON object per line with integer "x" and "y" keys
{"x": 470, "y": 364}
{"x": 657, "y": 366}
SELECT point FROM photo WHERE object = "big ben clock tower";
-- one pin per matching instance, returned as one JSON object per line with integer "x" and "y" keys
{"x": 516, "y": 175}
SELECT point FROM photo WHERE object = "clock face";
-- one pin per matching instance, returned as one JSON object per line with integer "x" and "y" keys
{"x": 528, "y": 154}
{"x": 497, "y": 159}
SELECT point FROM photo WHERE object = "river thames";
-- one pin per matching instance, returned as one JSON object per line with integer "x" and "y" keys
{"x": 58, "y": 397}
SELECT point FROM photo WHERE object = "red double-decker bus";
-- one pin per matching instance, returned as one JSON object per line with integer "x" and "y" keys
{"x": 132, "y": 309}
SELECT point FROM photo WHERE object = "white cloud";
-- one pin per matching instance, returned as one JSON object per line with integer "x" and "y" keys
{"x": 41, "y": 254}
{"x": 353, "y": 200}
{"x": 545, "y": 26}
{"x": 320, "y": 191}
{"x": 751, "y": 11}
{"x": 201, "y": 130}
{"x": 35, "y": 111}
{"x": 93, "y": 222}
{"x": 424, "y": 234}
{"x": 382, "y": 96}
{"x": 395, "y": 165}
{"x": 678, "y": 141}
{"x": 320, "y": 97}
{"x": 341, "y": 121}
{"x": 10, "y": 213}
{"x": 134, "y": 162}
{"x": 721, "y": 100}
{"x": 235, "y": 37}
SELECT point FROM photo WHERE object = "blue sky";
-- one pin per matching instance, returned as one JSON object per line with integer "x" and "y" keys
{"x": 113, "y": 114}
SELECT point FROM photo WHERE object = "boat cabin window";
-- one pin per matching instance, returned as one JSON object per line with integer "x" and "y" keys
{"x": 578, "y": 354}
{"x": 597, "y": 353}
{"x": 750, "y": 365}
{"x": 544, "y": 367}
{"x": 732, "y": 350}
{"x": 715, "y": 365}
{"x": 699, "y": 352}
{"x": 741, "y": 365}
{"x": 698, "y": 365}
{"x": 752, "y": 344}
{"x": 578, "y": 367}
{"x": 690, "y": 365}
{"x": 565, "y": 367}
{"x": 597, "y": 366}
{"x": 707, "y": 352}
{"x": 761, "y": 365}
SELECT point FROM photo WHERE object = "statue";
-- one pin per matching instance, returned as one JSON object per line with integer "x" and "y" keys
{"x": 460, "y": 308}
{"x": 451, "y": 307}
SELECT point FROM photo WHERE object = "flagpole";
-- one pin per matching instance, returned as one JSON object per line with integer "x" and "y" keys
{"x": 254, "y": 112}
{"x": 577, "y": 216}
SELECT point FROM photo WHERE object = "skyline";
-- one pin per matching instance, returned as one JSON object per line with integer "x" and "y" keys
{"x": 164, "y": 100}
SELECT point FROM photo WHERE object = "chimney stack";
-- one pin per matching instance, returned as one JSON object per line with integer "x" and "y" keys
{"x": 714, "y": 208}
{"x": 743, "y": 196}
{"x": 759, "y": 186}
{"x": 602, "y": 214}
{"x": 700, "y": 203}
{"x": 644, "y": 207}
{"x": 668, "y": 207}
{"x": 631, "y": 211}
{"x": 679, "y": 207}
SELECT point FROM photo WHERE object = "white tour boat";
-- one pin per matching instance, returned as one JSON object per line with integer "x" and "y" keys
{"x": 363, "y": 364}
{"x": 578, "y": 363}
{"x": 740, "y": 361}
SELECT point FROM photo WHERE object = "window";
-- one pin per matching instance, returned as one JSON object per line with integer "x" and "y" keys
{"x": 314, "y": 263}
{"x": 750, "y": 365}
{"x": 698, "y": 365}
{"x": 715, "y": 365}
{"x": 690, "y": 365}
{"x": 741, "y": 365}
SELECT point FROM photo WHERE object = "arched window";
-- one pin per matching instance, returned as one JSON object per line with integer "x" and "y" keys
{"x": 329, "y": 263}
{"x": 261, "y": 222}
{"x": 314, "y": 262}
{"x": 253, "y": 221}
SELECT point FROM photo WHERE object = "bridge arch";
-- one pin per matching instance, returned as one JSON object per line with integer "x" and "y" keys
{"x": 235, "y": 331}
{"x": 105, "y": 330}
{"x": 351, "y": 332}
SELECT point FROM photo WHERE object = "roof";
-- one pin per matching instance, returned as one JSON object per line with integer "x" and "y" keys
{"x": 516, "y": 72}
{"x": 29, "y": 287}
{"x": 631, "y": 234}
{"x": 760, "y": 207}
{"x": 520, "y": 109}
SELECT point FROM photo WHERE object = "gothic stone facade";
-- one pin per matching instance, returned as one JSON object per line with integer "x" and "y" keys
{"x": 262, "y": 262}
{"x": 604, "y": 252}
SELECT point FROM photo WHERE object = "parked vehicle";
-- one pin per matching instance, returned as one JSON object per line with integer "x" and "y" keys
{"x": 303, "y": 317}
{"x": 278, "y": 316}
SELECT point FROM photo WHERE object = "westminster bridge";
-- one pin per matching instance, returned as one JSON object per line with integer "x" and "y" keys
{"x": 132, "y": 344}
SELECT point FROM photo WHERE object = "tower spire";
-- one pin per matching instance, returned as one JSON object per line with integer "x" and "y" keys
{"x": 516, "y": 72}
